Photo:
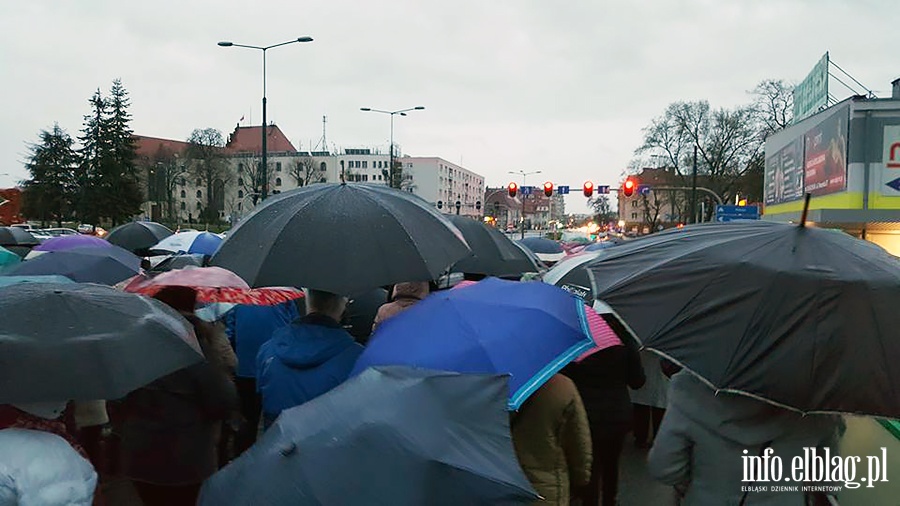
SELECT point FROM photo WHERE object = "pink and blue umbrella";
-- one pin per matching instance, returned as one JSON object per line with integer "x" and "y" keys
{"x": 526, "y": 330}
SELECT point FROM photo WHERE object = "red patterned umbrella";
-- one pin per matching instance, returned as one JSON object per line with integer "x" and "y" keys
{"x": 213, "y": 284}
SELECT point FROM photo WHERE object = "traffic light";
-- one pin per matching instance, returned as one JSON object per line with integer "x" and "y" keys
{"x": 588, "y": 189}
{"x": 513, "y": 189}
{"x": 628, "y": 187}
{"x": 548, "y": 189}
{"x": 440, "y": 204}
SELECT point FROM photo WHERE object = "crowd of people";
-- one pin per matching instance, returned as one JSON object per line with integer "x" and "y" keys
{"x": 168, "y": 437}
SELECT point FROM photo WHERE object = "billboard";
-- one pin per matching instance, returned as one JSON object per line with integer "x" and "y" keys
{"x": 784, "y": 174}
{"x": 825, "y": 154}
{"x": 812, "y": 94}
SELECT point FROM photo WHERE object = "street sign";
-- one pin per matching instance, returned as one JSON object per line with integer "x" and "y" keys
{"x": 562, "y": 190}
{"x": 643, "y": 189}
{"x": 732, "y": 213}
{"x": 603, "y": 190}
{"x": 895, "y": 184}
{"x": 526, "y": 190}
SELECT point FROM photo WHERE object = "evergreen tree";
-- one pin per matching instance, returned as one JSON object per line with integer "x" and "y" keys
{"x": 126, "y": 198}
{"x": 49, "y": 194}
{"x": 93, "y": 157}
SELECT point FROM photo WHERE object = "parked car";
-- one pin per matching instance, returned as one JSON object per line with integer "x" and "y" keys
{"x": 58, "y": 232}
{"x": 26, "y": 226}
{"x": 87, "y": 229}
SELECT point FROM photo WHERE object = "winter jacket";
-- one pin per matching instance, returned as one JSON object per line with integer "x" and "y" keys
{"x": 170, "y": 427}
{"x": 249, "y": 327}
{"x": 603, "y": 380}
{"x": 553, "y": 440}
{"x": 303, "y": 361}
{"x": 405, "y": 295}
{"x": 41, "y": 469}
{"x": 703, "y": 436}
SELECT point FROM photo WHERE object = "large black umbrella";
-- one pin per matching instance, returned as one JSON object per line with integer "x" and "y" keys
{"x": 493, "y": 254}
{"x": 81, "y": 341}
{"x": 392, "y": 436}
{"x": 361, "y": 311}
{"x": 547, "y": 250}
{"x": 342, "y": 238}
{"x": 806, "y": 318}
{"x": 138, "y": 236}
{"x": 107, "y": 266}
{"x": 17, "y": 240}
{"x": 571, "y": 274}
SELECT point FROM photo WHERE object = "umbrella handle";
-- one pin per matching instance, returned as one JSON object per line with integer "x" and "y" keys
{"x": 805, "y": 210}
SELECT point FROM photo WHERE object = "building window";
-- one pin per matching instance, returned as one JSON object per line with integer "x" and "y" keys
{"x": 199, "y": 206}
{"x": 634, "y": 203}
{"x": 183, "y": 194}
{"x": 365, "y": 176}
{"x": 240, "y": 181}
{"x": 199, "y": 194}
{"x": 322, "y": 180}
{"x": 240, "y": 194}
{"x": 240, "y": 205}
{"x": 277, "y": 166}
{"x": 277, "y": 181}
{"x": 365, "y": 164}
{"x": 199, "y": 182}
{"x": 183, "y": 206}
{"x": 323, "y": 168}
{"x": 240, "y": 168}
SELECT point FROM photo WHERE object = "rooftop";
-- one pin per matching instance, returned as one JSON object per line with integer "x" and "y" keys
{"x": 249, "y": 140}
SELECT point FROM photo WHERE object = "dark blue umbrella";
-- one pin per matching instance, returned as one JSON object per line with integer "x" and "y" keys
{"x": 392, "y": 436}
{"x": 106, "y": 266}
{"x": 547, "y": 250}
{"x": 527, "y": 330}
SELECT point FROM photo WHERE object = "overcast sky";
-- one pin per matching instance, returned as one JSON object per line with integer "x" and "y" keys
{"x": 561, "y": 87}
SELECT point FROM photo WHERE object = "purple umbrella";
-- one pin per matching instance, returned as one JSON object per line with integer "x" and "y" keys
{"x": 72, "y": 241}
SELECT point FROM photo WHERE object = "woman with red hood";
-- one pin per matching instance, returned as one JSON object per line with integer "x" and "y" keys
{"x": 404, "y": 296}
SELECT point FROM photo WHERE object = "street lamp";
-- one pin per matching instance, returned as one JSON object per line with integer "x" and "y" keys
{"x": 401, "y": 112}
{"x": 264, "y": 169}
{"x": 524, "y": 175}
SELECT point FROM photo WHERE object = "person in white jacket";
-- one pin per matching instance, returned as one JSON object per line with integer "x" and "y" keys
{"x": 703, "y": 437}
{"x": 41, "y": 469}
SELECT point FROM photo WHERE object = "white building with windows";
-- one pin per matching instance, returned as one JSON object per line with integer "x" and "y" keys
{"x": 444, "y": 183}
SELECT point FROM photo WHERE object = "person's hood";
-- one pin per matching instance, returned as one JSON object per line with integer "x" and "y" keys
{"x": 411, "y": 290}
{"x": 309, "y": 344}
{"x": 747, "y": 421}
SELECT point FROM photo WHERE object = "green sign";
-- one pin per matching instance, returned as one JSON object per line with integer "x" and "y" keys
{"x": 812, "y": 94}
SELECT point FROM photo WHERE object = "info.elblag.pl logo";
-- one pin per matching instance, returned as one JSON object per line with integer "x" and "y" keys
{"x": 815, "y": 466}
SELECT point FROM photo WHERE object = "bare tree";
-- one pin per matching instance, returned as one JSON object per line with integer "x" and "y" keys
{"x": 250, "y": 177}
{"x": 651, "y": 206}
{"x": 305, "y": 171}
{"x": 602, "y": 208}
{"x": 206, "y": 159}
{"x": 165, "y": 171}
{"x": 773, "y": 103}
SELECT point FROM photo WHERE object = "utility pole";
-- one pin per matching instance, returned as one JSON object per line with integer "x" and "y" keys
{"x": 694, "y": 188}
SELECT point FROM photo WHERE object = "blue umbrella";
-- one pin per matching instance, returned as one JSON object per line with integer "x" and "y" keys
{"x": 85, "y": 265}
{"x": 202, "y": 243}
{"x": 527, "y": 330}
{"x": 392, "y": 436}
{"x": 14, "y": 280}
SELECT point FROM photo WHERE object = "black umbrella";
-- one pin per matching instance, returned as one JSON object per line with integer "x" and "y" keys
{"x": 174, "y": 262}
{"x": 138, "y": 236}
{"x": 391, "y": 436}
{"x": 17, "y": 240}
{"x": 493, "y": 254}
{"x": 81, "y": 342}
{"x": 361, "y": 311}
{"x": 342, "y": 238}
{"x": 571, "y": 274}
{"x": 547, "y": 250}
{"x": 107, "y": 266}
{"x": 806, "y": 318}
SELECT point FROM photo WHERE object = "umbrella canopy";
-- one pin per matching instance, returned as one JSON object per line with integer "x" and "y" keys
{"x": 83, "y": 342}
{"x": 493, "y": 254}
{"x": 85, "y": 265}
{"x": 572, "y": 276}
{"x": 527, "y": 330}
{"x": 15, "y": 236}
{"x": 163, "y": 263}
{"x": 213, "y": 285}
{"x": 802, "y": 317}
{"x": 361, "y": 311}
{"x": 546, "y": 250}
{"x": 14, "y": 280}
{"x": 138, "y": 236}
{"x": 8, "y": 259}
{"x": 342, "y": 238}
{"x": 202, "y": 243}
{"x": 65, "y": 242}
{"x": 389, "y": 437}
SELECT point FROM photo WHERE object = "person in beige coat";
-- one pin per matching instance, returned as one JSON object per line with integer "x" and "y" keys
{"x": 553, "y": 441}
{"x": 404, "y": 296}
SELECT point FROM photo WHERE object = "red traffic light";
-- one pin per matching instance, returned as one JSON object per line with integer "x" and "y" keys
{"x": 513, "y": 189}
{"x": 588, "y": 189}
{"x": 548, "y": 189}
{"x": 628, "y": 187}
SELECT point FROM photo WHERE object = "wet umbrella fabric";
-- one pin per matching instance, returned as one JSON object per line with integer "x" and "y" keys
{"x": 15, "y": 236}
{"x": 572, "y": 276}
{"x": 342, "y": 238}
{"x": 138, "y": 236}
{"x": 84, "y": 341}
{"x": 85, "y": 265}
{"x": 8, "y": 259}
{"x": 389, "y": 437}
{"x": 14, "y": 280}
{"x": 164, "y": 263}
{"x": 545, "y": 249}
{"x": 213, "y": 285}
{"x": 493, "y": 254}
{"x": 802, "y": 317}
{"x": 527, "y": 330}
{"x": 70, "y": 242}
{"x": 202, "y": 243}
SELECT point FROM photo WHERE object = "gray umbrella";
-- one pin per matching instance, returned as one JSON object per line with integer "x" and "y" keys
{"x": 82, "y": 342}
{"x": 802, "y": 317}
{"x": 493, "y": 254}
{"x": 17, "y": 240}
{"x": 138, "y": 236}
{"x": 392, "y": 436}
{"x": 343, "y": 238}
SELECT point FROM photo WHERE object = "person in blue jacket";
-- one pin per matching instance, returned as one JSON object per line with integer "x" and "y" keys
{"x": 306, "y": 359}
{"x": 248, "y": 328}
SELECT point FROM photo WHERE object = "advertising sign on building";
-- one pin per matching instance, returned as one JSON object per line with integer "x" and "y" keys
{"x": 784, "y": 174}
{"x": 812, "y": 94}
{"x": 890, "y": 171}
{"x": 825, "y": 154}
